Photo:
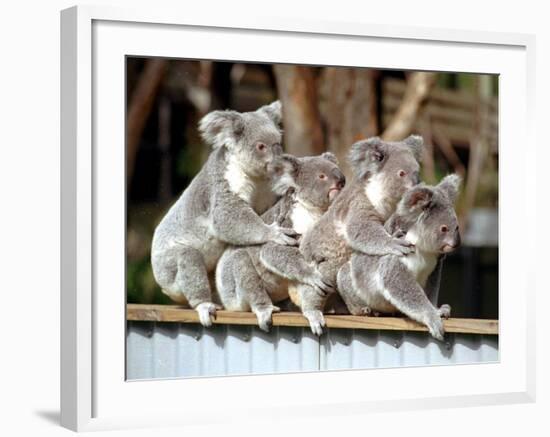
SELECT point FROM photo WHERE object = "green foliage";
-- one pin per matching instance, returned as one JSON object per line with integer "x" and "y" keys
{"x": 140, "y": 284}
{"x": 189, "y": 160}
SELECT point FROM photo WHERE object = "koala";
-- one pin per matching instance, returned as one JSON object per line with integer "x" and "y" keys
{"x": 221, "y": 206}
{"x": 382, "y": 172}
{"x": 247, "y": 278}
{"x": 409, "y": 284}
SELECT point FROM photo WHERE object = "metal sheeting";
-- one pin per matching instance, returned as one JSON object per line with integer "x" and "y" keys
{"x": 175, "y": 350}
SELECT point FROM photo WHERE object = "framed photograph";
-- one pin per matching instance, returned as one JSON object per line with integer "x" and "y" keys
{"x": 210, "y": 171}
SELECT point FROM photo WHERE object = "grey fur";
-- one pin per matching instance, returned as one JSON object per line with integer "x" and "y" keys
{"x": 355, "y": 221}
{"x": 251, "y": 278}
{"x": 410, "y": 284}
{"x": 220, "y": 206}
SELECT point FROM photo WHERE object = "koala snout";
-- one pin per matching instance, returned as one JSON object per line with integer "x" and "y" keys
{"x": 340, "y": 178}
{"x": 453, "y": 243}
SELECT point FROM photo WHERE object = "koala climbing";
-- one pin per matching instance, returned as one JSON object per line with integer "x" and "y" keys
{"x": 383, "y": 171}
{"x": 410, "y": 283}
{"x": 249, "y": 278}
{"x": 220, "y": 206}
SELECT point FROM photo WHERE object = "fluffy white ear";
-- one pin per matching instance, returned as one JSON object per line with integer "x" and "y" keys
{"x": 450, "y": 185}
{"x": 416, "y": 143}
{"x": 274, "y": 111}
{"x": 418, "y": 197}
{"x": 283, "y": 172}
{"x": 221, "y": 128}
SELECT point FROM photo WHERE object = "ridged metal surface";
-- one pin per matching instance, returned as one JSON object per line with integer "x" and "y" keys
{"x": 174, "y": 350}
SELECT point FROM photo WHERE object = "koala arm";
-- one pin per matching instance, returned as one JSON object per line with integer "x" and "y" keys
{"x": 367, "y": 235}
{"x": 289, "y": 263}
{"x": 434, "y": 280}
{"x": 235, "y": 222}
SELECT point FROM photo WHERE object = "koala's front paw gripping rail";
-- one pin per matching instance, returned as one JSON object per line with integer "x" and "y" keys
{"x": 178, "y": 314}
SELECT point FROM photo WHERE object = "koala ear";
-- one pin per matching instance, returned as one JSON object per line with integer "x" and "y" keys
{"x": 221, "y": 128}
{"x": 274, "y": 111}
{"x": 450, "y": 185}
{"x": 372, "y": 150}
{"x": 330, "y": 157}
{"x": 284, "y": 172}
{"x": 416, "y": 143}
{"x": 418, "y": 197}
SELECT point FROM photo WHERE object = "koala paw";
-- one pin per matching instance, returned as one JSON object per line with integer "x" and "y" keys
{"x": 316, "y": 321}
{"x": 264, "y": 317}
{"x": 444, "y": 311}
{"x": 207, "y": 313}
{"x": 322, "y": 287}
{"x": 283, "y": 236}
{"x": 435, "y": 326}
{"x": 400, "y": 246}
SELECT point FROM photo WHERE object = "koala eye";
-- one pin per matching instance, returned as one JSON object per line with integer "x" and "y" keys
{"x": 261, "y": 147}
{"x": 322, "y": 176}
{"x": 402, "y": 173}
{"x": 444, "y": 229}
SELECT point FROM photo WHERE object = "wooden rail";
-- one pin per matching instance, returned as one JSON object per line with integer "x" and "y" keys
{"x": 174, "y": 313}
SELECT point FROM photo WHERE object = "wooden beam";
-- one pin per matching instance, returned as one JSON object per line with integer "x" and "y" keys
{"x": 174, "y": 313}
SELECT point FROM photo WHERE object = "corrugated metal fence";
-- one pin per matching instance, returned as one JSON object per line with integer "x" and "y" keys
{"x": 176, "y": 350}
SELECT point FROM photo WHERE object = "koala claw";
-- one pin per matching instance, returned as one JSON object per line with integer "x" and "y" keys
{"x": 284, "y": 236}
{"x": 207, "y": 313}
{"x": 322, "y": 287}
{"x": 436, "y": 329}
{"x": 444, "y": 311}
{"x": 264, "y": 317}
{"x": 401, "y": 246}
{"x": 316, "y": 321}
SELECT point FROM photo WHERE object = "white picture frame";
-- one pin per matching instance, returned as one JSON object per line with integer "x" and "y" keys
{"x": 94, "y": 43}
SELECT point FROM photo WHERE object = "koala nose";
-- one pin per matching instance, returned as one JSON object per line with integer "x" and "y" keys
{"x": 341, "y": 179}
{"x": 458, "y": 240}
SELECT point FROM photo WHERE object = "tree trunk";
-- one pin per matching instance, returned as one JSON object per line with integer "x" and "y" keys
{"x": 348, "y": 109}
{"x": 297, "y": 91}
{"x": 139, "y": 109}
{"x": 419, "y": 85}
{"x": 479, "y": 146}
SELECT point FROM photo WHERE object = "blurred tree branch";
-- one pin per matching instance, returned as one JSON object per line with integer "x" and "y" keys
{"x": 140, "y": 108}
{"x": 418, "y": 88}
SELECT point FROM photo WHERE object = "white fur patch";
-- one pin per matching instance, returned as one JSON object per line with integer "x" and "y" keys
{"x": 304, "y": 217}
{"x": 239, "y": 182}
{"x": 378, "y": 197}
{"x": 420, "y": 264}
{"x": 340, "y": 227}
{"x": 254, "y": 191}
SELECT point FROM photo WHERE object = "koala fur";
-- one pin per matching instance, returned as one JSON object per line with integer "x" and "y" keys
{"x": 383, "y": 171}
{"x": 246, "y": 277}
{"x": 220, "y": 206}
{"x": 410, "y": 283}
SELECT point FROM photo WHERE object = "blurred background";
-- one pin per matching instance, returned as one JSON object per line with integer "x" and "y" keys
{"x": 325, "y": 108}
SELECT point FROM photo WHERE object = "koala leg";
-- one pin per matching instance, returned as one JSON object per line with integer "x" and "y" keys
{"x": 347, "y": 292}
{"x": 250, "y": 289}
{"x": 312, "y": 305}
{"x": 191, "y": 281}
{"x": 401, "y": 289}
